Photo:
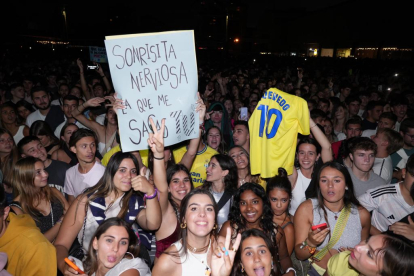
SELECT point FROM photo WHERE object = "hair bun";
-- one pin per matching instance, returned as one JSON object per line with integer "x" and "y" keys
{"x": 281, "y": 172}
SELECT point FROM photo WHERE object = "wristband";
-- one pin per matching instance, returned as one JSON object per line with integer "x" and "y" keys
{"x": 159, "y": 158}
{"x": 290, "y": 269}
{"x": 151, "y": 196}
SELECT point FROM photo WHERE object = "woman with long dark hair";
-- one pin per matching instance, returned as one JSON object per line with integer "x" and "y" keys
{"x": 33, "y": 196}
{"x": 251, "y": 210}
{"x": 64, "y": 154}
{"x": 9, "y": 120}
{"x": 192, "y": 254}
{"x": 279, "y": 192}
{"x": 42, "y": 130}
{"x": 308, "y": 152}
{"x": 345, "y": 222}
{"x": 24, "y": 109}
{"x": 113, "y": 251}
{"x": 112, "y": 196}
{"x": 221, "y": 182}
{"x": 242, "y": 159}
{"x": 8, "y": 157}
{"x": 214, "y": 139}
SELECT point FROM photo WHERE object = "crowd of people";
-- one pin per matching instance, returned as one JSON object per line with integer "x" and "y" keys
{"x": 72, "y": 202}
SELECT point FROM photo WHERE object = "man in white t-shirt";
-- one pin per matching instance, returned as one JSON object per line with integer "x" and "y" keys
{"x": 388, "y": 141}
{"x": 88, "y": 171}
{"x": 390, "y": 203}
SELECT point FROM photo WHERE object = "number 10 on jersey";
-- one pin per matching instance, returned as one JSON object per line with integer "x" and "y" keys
{"x": 265, "y": 118}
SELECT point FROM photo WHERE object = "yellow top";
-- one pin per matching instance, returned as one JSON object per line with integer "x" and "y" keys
{"x": 200, "y": 164}
{"x": 338, "y": 265}
{"x": 28, "y": 251}
{"x": 274, "y": 126}
{"x": 108, "y": 155}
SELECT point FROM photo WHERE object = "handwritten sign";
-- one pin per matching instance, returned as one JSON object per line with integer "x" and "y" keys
{"x": 98, "y": 54}
{"x": 156, "y": 75}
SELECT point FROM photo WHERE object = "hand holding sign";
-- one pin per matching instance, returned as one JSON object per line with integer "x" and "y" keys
{"x": 200, "y": 109}
{"x": 156, "y": 77}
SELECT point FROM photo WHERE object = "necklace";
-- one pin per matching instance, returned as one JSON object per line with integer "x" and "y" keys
{"x": 197, "y": 250}
{"x": 203, "y": 258}
{"x": 335, "y": 213}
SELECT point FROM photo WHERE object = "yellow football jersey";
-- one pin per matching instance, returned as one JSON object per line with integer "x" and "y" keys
{"x": 200, "y": 164}
{"x": 274, "y": 126}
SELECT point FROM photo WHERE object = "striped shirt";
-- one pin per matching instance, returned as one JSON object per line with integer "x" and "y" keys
{"x": 387, "y": 205}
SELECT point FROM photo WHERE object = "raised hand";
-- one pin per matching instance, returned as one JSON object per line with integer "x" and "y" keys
{"x": 115, "y": 102}
{"x": 80, "y": 64}
{"x": 223, "y": 256}
{"x": 201, "y": 108}
{"x": 208, "y": 92}
{"x": 141, "y": 183}
{"x": 156, "y": 139}
{"x": 99, "y": 69}
{"x": 94, "y": 102}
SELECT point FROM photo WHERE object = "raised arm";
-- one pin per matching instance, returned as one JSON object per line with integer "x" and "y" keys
{"x": 156, "y": 144}
{"x": 150, "y": 217}
{"x": 104, "y": 78}
{"x": 189, "y": 156}
{"x": 319, "y": 136}
{"x": 71, "y": 226}
{"x": 84, "y": 85}
{"x": 77, "y": 113}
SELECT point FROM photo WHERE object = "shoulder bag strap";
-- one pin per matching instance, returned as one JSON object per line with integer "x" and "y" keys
{"x": 223, "y": 200}
{"x": 336, "y": 235}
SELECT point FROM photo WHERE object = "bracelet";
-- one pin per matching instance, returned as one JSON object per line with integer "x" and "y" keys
{"x": 309, "y": 248}
{"x": 159, "y": 158}
{"x": 151, "y": 196}
{"x": 313, "y": 126}
{"x": 290, "y": 269}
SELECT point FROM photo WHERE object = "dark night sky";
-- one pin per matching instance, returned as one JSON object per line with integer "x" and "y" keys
{"x": 329, "y": 21}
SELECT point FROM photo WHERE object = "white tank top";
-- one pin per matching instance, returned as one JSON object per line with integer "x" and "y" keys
{"x": 193, "y": 264}
{"x": 19, "y": 135}
{"x": 298, "y": 193}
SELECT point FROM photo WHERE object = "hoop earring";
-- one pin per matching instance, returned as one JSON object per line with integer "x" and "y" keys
{"x": 242, "y": 268}
{"x": 132, "y": 256}
{"x": 215, "y": 226}
{"x": 183, "y": 225}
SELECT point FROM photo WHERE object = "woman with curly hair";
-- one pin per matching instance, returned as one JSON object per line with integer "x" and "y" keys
{"x": 251, "y": 210}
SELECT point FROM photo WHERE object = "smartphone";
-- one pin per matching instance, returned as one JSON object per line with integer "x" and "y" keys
{"x": 319, "y": 226}
{"x": 92, "y": 67}
{"x": 72, "y": 265}
{"x": 243, "y": 114}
